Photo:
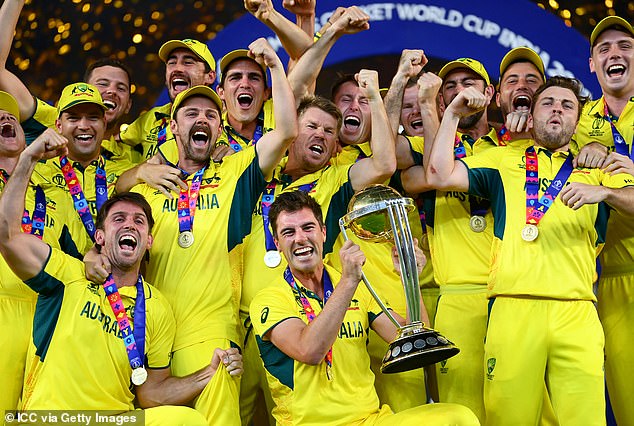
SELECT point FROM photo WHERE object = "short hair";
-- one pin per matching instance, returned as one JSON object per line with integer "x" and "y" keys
{"x": 340, "y": 81}
{"x": 108, "y": 62}
{"x": 130, "y": 197}
{"x": 223, "y": 76}
{"x": 571, "y": 84}
{"x": 326, "y": 105}
{"x": 291, "y": 202}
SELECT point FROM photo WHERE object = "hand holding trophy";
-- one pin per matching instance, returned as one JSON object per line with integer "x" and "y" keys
{"x": 379, "y": 213}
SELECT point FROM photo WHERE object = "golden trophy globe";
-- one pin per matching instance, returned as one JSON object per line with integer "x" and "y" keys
{"x": 379, "y": 213}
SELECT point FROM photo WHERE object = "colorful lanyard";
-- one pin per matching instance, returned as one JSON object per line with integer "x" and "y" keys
{"x": 504, "y": 136}
{"x": 161, "y": 137}
{"x": 187, "y": 203}
{"x": 619, "y": 141}
{"x": 310, "y": 313}
{"x": 477, "y": 206}
{"x": 536, "y": 207}
{"x": 79, "y": 200}
{"x": 268, "y": 196}
{"x": 420, "y": 206}
{"x": 32, "y": 225}
{"x": 259, "y": 131}
{"x": 134, "y": 341}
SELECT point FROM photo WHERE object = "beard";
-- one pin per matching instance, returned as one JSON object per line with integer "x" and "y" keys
{"x": 552, "y": 139}
{"x": 470, "y": 121}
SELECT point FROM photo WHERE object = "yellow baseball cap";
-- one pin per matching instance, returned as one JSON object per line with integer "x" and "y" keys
{"x": 199, "y": 49}
{"x": 201, "y": 90}
{"x": 522, "y": 54}
{"x": 469, "y": 63}
{"x": 79, "y": 93}
{"x": 237, "y": 54}
{"x": 9, "y": 104}
{"x": 606, "y": 23}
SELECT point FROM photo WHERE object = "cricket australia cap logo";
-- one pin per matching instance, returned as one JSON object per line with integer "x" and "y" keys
{"x": 490, "y": 368}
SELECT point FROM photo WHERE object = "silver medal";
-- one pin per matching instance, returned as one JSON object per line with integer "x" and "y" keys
{"x": 139, "y": 376}
{"x": 477, "y": 223}
{"x": 272, "y": 258}
{"x": 530, "y": 232}
{"x": 186, "y": 239}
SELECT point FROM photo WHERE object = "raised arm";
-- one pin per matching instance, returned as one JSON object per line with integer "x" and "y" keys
{"x": 294, "y": 40}
{"x": 409, "y": 66}
{"x": 25, "y": 253}
{"x": 310, "y": 343}
{"x": 382, "y": 164}
{"x": 344, "y": 21}
{"x": 9, "y": 82}
{"x": 273, "y": 144}
{"x": 442, "y": 170}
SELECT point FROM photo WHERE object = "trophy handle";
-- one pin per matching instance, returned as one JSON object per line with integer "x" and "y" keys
{"x": 367, "y": 284}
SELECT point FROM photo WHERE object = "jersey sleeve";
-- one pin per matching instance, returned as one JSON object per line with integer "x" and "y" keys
{"x": 270, "y": 307}
{"x": 483, "y": 170}
{"x": 60, "y": 269}
{"x": 162, "y": 327}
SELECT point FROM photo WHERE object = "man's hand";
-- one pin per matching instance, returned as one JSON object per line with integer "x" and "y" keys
{"x": 369, "y": 83}
{"x": 428, "y": 87}
{"x": 576, "y": 195}
{"x": 352, "y": 260}
{"x": 518, "y": 121}
{"x": 231, "y": 358}
{"x": 411, "y": 63}
{"x": 97, "y": 266}
{"x": 618, "y": 163}
{"x": 468, "y": 102}
{"x": 352, "y": 20}
{"x": 166, "y": 179}
{"x": 221, "y": 151}
{"x": 261, "y": 9}
{"x": 49, "y": 144}
{"x": 592, "y": 155}
{"x": 262, "y": 53}
{"x": 300, "y": 7}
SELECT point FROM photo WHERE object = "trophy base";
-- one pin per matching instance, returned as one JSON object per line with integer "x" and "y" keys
{"x": 416, "y": 346}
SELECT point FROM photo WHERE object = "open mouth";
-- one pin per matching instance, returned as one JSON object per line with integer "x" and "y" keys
{"x": 416, "y": 124}
{"x": 522, "y": 102}
{"x": 109, "y": 104}
{"x": 351, "y": 121}
{"x": 303, "y": 252}
{"x": 179, "y": 84}
{"x": 200, "y": 135}
{"x": 245, "y": 100}
{"x": 616, "y": 70}
{"x": 555, "y": 121}
{"x": 84, "y": 138}
{"x": 317, "y": 149}
{"x": 127, "y": 242}
{"x": 7, "y": 130}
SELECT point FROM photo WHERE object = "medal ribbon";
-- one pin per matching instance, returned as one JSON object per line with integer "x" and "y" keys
{"x": 619, "y": 141}
{"x": 134, "y": 341}
{"x": 259, "y": 131}
{"x": 268, "y": 196}
{"x": 187, "y": 203}
{"x": 161, "y": 136}
{"x": 504, "y": 136}
{"x": 310, "y": 312}
{"x": 536, "y": 207}
{"x": 76, "y": 192}
{"x": 477, "y": 207}
{"x": 32, "y": 225}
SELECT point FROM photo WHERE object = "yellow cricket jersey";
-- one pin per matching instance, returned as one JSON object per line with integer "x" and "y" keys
{"x": 331, "y": 189}
{"x": 45, "y": 116}
{"x": 81, "y": 358}
{"x": 201, "y": 282}
{"x": 266, "y": 117}
{"x": 617, "y": 256}
{"x": 143, "y": 133}
{"x": 350, "y": 153}
{"x": 50, "y": 177}
{"x": 459, "y": 255}
{"x": 302, "y": 393}
{"x": 560, "y": 263}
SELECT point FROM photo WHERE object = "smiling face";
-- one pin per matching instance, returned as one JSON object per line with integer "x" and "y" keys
{"x": 517, "y": 86}
{"x": 555, "y": 115}
{"x": 12, "y": 140}
{"x": 243, "y": 90}
{"x": 612, "y": 61}
{"x": 125, "y": 235}
{"x": 316, "y": 141}
{"x": 196, "y": 127}
{"x": 300, "y": 237}
{"x": 114, "y": 85}
{"x": 357, "y": 119}
{"x": 411, "y": 119}
{"x": 454, "y": 83}
{"x": 84, "y": 125}
{"x": 183, "y": 69}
